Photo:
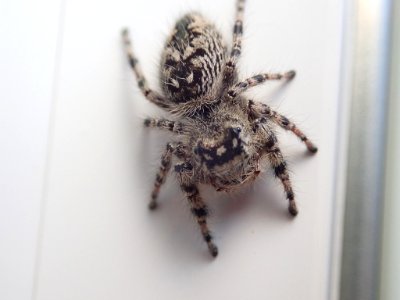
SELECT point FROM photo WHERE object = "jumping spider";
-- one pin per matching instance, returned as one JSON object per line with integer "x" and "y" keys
{"x": 220, "y": 135}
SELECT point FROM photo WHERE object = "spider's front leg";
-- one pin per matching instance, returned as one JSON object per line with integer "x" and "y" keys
{"x": 180, "y": 152}
{"x": 262, "y": 112}
{"x": 197, "y": 205}
{"x": 166, "y": 159}
{"x": 279, "y": 166}
{"x": 173, "y": 126}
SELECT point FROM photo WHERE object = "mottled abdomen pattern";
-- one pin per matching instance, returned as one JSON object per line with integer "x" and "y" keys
{"x": 193, "y": 60}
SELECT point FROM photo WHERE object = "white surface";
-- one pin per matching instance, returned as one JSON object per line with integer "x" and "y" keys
{"x": 26, "y": 87}
{"x": 98, "y": 239}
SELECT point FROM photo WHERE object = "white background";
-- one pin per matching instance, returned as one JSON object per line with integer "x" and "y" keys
{"x": 28, "y": 39}
{"x": 75, "y": 223}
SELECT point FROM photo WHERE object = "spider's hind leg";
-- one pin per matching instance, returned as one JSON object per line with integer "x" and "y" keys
{"x": 230, "y": 70}
{"x": 151, "y": 95}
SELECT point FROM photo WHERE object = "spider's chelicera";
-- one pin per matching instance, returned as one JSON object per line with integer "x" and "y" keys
{"x": 220, "y": 136}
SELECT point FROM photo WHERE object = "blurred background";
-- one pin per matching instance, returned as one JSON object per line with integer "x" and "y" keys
{"x": 76, "y": 167}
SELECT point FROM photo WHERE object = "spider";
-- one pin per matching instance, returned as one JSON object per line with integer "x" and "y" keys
{"x": 220, "y": 136}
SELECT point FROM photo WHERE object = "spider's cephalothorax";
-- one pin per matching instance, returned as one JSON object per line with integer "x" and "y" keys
{"x": 220, "y": 136}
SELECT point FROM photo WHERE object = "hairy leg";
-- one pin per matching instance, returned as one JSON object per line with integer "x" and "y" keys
{"x": 230, "y": 69}
{"x": 166, "y": 159}
{"x": 200, "y": 212}
{"x": 173, "y": 126}
{"x": 141, "y": 80}
{"x": 197, "y": 205}
{"x": 260, "y": 111}
{"x": 280, "y": 169}
{"x": 243, "y": 86}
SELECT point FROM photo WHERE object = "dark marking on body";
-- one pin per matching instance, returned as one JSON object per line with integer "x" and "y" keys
{"x": 183, "y": 167}
{"x": 270, "y": 142}
{"x": 233, "y": 147}
{"x": 232, "y": 94}
{"x": 182, "y": 28}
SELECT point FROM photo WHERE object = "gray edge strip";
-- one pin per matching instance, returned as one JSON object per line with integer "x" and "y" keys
{"x": 366, "y": 154}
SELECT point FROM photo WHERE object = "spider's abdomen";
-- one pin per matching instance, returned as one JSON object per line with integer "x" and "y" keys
{"x": 192, "y": 62}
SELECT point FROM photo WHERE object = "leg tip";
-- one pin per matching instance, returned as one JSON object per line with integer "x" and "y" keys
{"x": 124, "y": 31}
{"x": 293, "y": 209}
{"x": 147, "y": 122}
{"x": 213, "y": 250}
{"x": 290, "y": 75}
{"x": 153, "y": 205}
{"x": 313, "y": 149}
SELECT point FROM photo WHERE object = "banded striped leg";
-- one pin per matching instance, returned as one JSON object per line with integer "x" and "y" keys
{"x": 173, "y": 126}
{"x": 230, "y": 69}
{"x": 260, "y": 110}
{"x": 279, "y": 165}
{"x": 162, "y": 174}
{"x": 243, "y": 86}
{"x": 141, "y": 80}
{"x": 200, "y": 212}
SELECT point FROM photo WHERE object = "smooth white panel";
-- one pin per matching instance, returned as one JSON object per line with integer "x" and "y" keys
{"x": 28, "y": 31}
{"x": 99, "y": 240}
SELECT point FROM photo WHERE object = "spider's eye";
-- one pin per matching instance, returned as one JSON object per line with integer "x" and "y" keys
{"x": 236, "y": 130}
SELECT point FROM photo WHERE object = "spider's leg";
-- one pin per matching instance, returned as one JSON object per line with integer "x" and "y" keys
{"x": 260, "y": 110}
{"x": 279, "y": 166}
{"x": 230, "y": 67}
{"x": 200, "y": 212}
{"x": 173, "y": 126}
{"x": 151, "y": 95}
{"x": 197, "y": 206}
{"x": 166, "y": 159}
{"x": 243, "y": 86}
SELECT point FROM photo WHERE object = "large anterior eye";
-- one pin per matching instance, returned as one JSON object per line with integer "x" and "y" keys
{"x": 234, "y": 131}
{"x": 237, "y": 130}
